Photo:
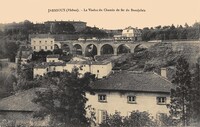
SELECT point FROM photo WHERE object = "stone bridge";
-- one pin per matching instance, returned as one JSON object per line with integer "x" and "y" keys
{"x": 101, "y": 47}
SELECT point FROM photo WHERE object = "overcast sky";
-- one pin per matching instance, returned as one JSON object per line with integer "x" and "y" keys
{"x": 157, "y": 12}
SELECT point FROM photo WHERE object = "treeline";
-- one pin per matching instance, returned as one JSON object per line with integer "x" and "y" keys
{"x": 171, "y": 32}
{"x": 8, "y": 49}
{"x": 22, "y": 30}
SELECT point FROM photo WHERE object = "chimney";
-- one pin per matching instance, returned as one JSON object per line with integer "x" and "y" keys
{"x": 163, "y": 72}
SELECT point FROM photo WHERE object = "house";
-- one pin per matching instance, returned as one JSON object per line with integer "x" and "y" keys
{"x": 129, "y": 34}
{"x": 46, "y": 44}
{"x": 19, "y": 108}
{"x": 126, "y": 91}
{"x": 40, "y": 70}
{"x": 101, "y": 69}
{"x": 53, "y": 58}
{"x": 45, "y": 67}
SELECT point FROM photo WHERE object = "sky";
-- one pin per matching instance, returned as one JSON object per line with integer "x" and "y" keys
{"x": 157, "y": 12}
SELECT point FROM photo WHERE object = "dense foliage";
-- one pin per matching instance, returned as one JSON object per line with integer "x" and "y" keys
{"x": 64, "y": 98}
{"x": 171, "y": 32}
{"x": 181, "y": 94}
{"x": 137, "y": 119}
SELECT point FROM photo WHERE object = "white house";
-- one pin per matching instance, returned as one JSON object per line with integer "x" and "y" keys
{"x": 40, "y": 70}
{"x": 133, "y": 33}
{"x": 127, "y": 91}
{"x": 53, "y": 58}
{"x": 43, "y": 68}
{"x": 129, "y": 34}
{"x": 45, "y": 44}
{"x": 101, "y": 69}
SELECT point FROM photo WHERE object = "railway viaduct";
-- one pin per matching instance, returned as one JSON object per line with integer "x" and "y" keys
{"x": 101, "y": 47}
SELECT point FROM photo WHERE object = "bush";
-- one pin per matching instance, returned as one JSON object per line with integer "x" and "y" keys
{"x": 136, "y": 119}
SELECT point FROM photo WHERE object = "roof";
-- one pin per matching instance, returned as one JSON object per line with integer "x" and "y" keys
{"x": 47, "y": 64}
{"x": 56, "y": 37}
{"x": 105, "y": 62}
{"x": 53, "y": 56}
{"x": 134, "y": 29}
{"x": 21, "y": 101}
{"x": 41, "y": 65}
{"x": 81, "y": 57}
{"x": 56, "y": 64}
{"x": 134, "y": 81}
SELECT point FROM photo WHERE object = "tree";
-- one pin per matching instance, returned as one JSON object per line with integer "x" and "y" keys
{"x": 115, "y": 120}
{"x": 90, "y": 32}
{"x": 180, "y": 105}
{"x": 63, "y": 28}
{"x": 196, "y": 94}
{"x": 19, "y": 62}
{"x": 165, "y": 120}
{"x": 10, "y": 50}
{"x": 136, "y": 119}
{"x": 139, "y": 119}
{"x": 64, "y": 98}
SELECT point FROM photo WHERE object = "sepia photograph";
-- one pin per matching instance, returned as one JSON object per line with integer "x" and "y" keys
{"x": 100, "y": 63}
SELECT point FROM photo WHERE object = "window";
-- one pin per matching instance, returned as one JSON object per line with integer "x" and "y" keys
{"x": 97, "y": 71}
{"x": 54, "y": 69}
{"x": 53, "y": 60}
{"x": 45, "y": 47}
{"x": 102, "y": 116}
{"x": 131, "y": 99}
{"x": 40, "y": 42}
{"x": 34, "y": 47}
{"x": 161, "y": 100}
{"x": 102, "y": 98}
{"x": 51, "y": 47}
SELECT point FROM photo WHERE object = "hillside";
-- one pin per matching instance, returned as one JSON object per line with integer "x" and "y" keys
{"x": 160, "y": 55}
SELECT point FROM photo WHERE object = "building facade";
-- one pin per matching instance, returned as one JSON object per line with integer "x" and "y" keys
{"x": 100, "y": 69}
{"x": 129, "y": 34}
{"x": 53, "y": 58}
{"x": 125, "y": 92}
{"x": 45, "y": 44}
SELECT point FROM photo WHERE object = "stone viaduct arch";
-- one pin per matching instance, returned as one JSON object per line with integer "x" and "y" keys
{"x": 123, "y": 48}
{"x": 100, "y": 48}
{"x": 77, "y": 49}
{"x": 106, "y": 49}
{"x": 91, "y": 50}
